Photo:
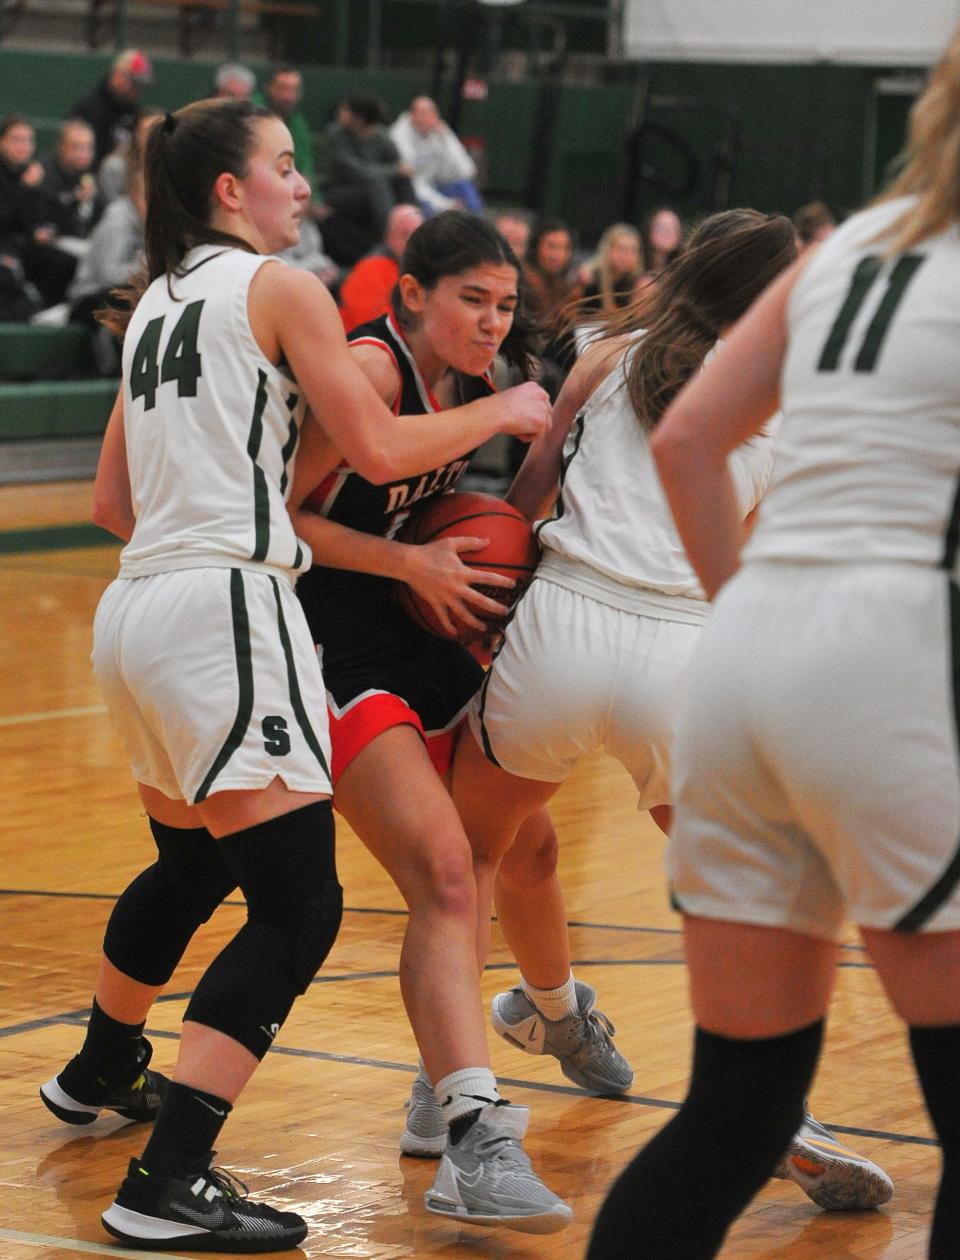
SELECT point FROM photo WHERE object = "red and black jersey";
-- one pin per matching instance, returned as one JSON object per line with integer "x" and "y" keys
{"x": 347, "y": 497}
{"x": 369, "y": 644}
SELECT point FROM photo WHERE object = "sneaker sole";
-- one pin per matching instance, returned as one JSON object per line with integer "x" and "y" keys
{"x": 836, "y": 1185}
{"x": 603, "y": 1089}
{"x": 151, "y": 1233}
{"x": 550, "y": 1222}
{"x": 422, "y": 1148}
{"x": 64, "y": 1107}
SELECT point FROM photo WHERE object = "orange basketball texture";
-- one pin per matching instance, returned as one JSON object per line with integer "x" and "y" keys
{"x": 511, "y": 550}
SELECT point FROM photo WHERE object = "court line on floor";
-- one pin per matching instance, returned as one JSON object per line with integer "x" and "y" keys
{"x": 410, "y": 1069}
{"x": 402, "y": 913}
{"x": 52, "y": 715}
{"x": 42, "y": 538}
{"x": 85, "y": 1248}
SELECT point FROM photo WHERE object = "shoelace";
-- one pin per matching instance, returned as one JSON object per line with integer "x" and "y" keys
{"x": 599, "y": 1030}
{"x": 226, "y": 1183}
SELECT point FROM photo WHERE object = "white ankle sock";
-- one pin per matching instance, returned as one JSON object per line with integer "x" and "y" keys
{"x": 423, "y": 1073}
{"x": 553, "y": 1004}
{"x": 464, "y": 1091}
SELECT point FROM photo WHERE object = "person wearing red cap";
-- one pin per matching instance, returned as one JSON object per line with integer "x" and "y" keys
{"x": 113, "y": 107}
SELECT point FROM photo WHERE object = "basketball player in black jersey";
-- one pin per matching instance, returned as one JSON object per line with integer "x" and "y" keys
{"x": 396, "y": 696}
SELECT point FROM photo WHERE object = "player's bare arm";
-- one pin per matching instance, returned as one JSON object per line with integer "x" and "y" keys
{"x": 112, "y": 503}
{"x": 371, "y": 438}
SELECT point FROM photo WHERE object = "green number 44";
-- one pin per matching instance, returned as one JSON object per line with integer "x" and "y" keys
{"x": 180, "y": 362}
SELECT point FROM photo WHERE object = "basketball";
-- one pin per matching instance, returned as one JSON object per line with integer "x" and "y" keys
{"x": 511, "y": 550}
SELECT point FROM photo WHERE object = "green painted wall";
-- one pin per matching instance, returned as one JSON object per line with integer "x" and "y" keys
{"x": 802, "y": 129}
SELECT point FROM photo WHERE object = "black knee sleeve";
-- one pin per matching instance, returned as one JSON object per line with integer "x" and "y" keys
{"x": 155, "y": 917}
{"x": 936, "y": 1052}
{"x": 286, "y": 868}
{"x": 746, "y": 1099}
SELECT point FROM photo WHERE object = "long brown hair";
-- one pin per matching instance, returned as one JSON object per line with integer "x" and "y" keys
{"x": 727, "y": 262}
{"x": 183, "y": 157}
{"x": 932, "y": 171}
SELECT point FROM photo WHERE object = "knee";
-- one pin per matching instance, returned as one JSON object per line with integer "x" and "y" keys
{"x": 447, "y": 880}
{"x": 315, "y": 933}
{"x": 531, "y": 863}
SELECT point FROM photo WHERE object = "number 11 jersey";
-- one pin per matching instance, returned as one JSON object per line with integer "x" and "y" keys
{"x": 868, "y": 460}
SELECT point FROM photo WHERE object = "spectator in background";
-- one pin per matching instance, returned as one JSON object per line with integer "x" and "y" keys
{"x": 364, "y": 177}
{"x": 514, "y": 227}
{"x": 116, "y": 244}
{"x": 664, "y": 236}
{"x": 113, "y": 107}
{"x": 552, "y": 290}
{"x": 283, "y": 95}
{"x": 611, "y": 274}
{"x": 235, "y": 82}
{"x": 309, "y": 255}
{"x": 365, "y": 293}
{"x": 443, "y": 171}
{"x": 72, "y": 203}
{"x": 813, "y": 224}
{"x": 550, "y": 282}
{"x": 39, "y": 266}
{"x": 117, "y": 169}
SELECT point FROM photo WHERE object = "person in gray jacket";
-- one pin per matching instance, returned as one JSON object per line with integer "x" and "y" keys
{"x": 443, "y": 170}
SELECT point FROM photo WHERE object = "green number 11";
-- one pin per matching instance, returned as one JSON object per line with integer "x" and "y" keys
{"x": 863, "y": 279}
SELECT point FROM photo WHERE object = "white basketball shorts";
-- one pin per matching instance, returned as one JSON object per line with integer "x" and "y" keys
{"x": 213, "y": 680}
{"x": 575, "y": 675}
{"x": 815, "y": 763}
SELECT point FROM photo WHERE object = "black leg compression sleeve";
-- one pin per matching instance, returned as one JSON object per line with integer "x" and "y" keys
{"x": 154, "y": 919}
{"x": 677, "y": 1199}
{"x": 936, "y": 1052}
{"x": 287, "y": 870}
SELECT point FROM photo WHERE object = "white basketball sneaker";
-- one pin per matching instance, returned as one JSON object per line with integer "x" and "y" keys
{"x": 425, "y": 1130}
{"x": 583, "y": 1043}
{"x": 486, "y": 1179}
{"x": 831, "y": 1174}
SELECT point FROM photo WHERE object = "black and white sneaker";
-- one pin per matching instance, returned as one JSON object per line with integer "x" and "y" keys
{"x": 76, "y": 1096}
{"x": 200, "y": 1211}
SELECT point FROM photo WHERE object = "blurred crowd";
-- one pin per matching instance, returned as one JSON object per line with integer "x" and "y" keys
{"x": 71, "y": 221}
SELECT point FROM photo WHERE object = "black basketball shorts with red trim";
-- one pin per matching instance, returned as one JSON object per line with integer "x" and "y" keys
{"x": 381, "y": 670}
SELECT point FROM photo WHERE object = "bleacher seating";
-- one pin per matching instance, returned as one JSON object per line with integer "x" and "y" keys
{"x": 31, "y": 352}
{"x": 54, "y": 409}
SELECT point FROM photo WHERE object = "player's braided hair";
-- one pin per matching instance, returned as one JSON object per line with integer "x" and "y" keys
{"x": 184, "y": 155}
{"x": 727, "y": 262}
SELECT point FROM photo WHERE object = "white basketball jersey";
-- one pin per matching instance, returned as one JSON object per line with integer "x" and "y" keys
{"x": 612, "y": 515}
{"x": 211, "y": 426}
{"x": 869, "y": 452}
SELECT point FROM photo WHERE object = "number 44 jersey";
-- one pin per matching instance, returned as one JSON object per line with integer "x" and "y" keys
{"x": 211, "y": 425}
{"x": 868, "y": 457}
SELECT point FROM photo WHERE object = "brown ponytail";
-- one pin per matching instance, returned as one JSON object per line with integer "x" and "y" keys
{"x": 184, "y": 155}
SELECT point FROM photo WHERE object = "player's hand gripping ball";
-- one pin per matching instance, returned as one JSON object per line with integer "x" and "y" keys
{"x": 511, "y": 551}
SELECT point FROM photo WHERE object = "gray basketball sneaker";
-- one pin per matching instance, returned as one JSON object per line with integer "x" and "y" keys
{"x": 486, "y": 1179}
{"x": 835, "y": 1177}
{"x": 425, "y": 1130}
{"x": 582, "y": 1043}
